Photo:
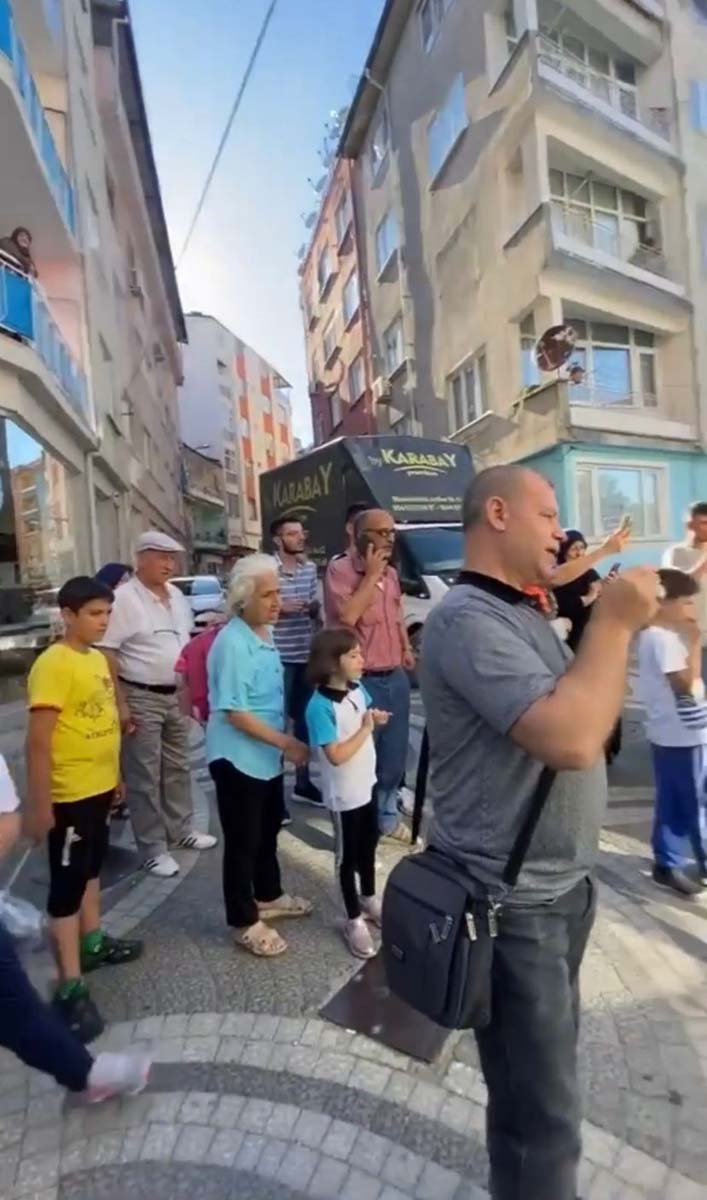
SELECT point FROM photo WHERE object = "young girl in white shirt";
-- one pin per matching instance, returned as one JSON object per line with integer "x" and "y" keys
{"x": 340, "y": 724}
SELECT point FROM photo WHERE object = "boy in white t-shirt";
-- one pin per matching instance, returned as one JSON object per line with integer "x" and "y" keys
{"x": 340, "y": 724}
{"x": 671, "y": 689}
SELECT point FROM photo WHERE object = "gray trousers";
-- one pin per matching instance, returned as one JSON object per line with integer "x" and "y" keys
{"x": 155, "y": 761}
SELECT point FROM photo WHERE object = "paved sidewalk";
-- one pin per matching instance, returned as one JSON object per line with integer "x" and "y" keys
{"x": 253, "y": 1096}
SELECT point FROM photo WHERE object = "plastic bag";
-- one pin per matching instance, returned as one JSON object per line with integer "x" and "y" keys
{"x": 24, "y": 923}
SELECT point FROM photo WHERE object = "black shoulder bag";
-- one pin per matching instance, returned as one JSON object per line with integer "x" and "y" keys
{"x": 438, "y": 934}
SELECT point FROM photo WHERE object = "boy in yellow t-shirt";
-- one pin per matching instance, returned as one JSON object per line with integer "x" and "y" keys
{"x": 73, "y": 754}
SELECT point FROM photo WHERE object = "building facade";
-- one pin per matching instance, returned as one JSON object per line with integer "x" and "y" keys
{"x": 334, "y": 305}
{"x": 235, "y": 407}
{"x": 205, "y": 510}
{"x": 544, "y": 164}
{"x": 72, "y": 458}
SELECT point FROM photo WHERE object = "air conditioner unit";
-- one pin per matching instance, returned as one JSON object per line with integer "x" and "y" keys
{"x": 382, "y": 390}
{"x": 134, "y": 282}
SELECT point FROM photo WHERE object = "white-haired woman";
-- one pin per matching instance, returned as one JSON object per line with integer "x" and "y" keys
{"x": 245, "y": 744}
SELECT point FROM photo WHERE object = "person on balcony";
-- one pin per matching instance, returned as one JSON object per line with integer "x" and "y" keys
{"x": 18, "y": 248}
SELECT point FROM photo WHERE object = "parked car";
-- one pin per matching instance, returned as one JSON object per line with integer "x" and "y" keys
{"x": 205, "y": 594}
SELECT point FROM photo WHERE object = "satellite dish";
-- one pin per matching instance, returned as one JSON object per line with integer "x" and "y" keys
{"x": 554, "y": 347}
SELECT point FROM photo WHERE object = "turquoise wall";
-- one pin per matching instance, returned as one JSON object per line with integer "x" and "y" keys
{"x": 687, "y": 482}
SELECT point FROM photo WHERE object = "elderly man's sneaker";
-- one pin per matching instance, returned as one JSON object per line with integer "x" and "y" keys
{"x": 197, "y": 841}
{"x": 162, "y": 865}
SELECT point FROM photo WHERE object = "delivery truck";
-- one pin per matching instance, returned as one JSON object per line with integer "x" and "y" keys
{"x": 420, "y": 481}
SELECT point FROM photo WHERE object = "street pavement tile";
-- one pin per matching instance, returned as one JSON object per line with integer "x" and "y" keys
{"x": 145, "y": 1181}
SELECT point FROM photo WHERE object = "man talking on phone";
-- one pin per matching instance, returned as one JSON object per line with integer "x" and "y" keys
{"x": 362, "y": 591}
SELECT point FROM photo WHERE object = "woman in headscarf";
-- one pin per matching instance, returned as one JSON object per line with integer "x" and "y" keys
{"x": 18, "y": 246}
{"x": 574, "y": 602}
{"x": 575, "y": 599}
{"x": 113, "y": 574}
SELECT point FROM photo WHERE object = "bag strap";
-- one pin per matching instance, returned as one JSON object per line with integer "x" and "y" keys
{"x": 524, "y": 836}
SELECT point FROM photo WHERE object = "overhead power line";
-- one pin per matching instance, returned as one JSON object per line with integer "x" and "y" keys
{"x": 225, "y": 135}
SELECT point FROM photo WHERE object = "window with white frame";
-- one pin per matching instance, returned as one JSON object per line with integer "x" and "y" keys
{"x": 468, "y": 390}
{"x": 431, "y": 16}
{"x": 530, "y": 371}
{"x": 606, "y": 492}
{"x": 610, "y": 218}
{"x": 329, "y": 338}
{"x": 342, "y": 217}
{"x": 446, "y": 127}
{"x": 387, "y": 239}
{"x": 612, "y": 79}
{"x": 351, "y": 298}
{"x": 380, "y": 140}
{"x": 229, "y": 460}
{"x": 511, "y": 28}
{"x": 335, "y": 409}
{"x": 325, "y": 269}
{"x": 619, "y": 364}
{"x": 234, "y": 504}
{"x": 245, "y": 427}
{"x": 357, "y": 379}
{"x": 393, "y": 346}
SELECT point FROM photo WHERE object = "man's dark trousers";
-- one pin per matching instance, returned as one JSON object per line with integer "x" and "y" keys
{"x": 529, "y": 1051}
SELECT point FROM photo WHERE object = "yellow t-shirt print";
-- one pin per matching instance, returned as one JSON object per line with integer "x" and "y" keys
{"x": 86, "y": 741}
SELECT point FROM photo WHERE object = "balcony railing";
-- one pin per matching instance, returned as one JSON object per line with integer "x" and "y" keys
{"x": 620, "y": 96}
{"x": 596, "y": 396}
{"x": 13, "y": 48}
{"x": 24, "y": 311}
{"x": 606, "y": 237}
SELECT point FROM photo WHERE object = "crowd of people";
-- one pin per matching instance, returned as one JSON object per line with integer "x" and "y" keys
{"x": 524, "y": 665}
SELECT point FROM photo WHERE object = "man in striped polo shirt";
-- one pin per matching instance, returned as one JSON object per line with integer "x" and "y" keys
{"x": 293, "y": 634}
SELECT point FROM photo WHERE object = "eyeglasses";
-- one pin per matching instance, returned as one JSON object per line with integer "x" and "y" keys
{"x": 389, "y": 534}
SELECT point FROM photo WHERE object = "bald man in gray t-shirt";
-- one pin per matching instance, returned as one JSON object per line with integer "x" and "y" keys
{"x": 504, "y": 698}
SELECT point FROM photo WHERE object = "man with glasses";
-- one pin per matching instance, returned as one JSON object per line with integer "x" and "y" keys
{"x": 150, "y": 624}
{"x": 362, "y": 591}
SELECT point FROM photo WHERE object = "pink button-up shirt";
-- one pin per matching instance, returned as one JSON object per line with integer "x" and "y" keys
{"x": 379, "y": 628}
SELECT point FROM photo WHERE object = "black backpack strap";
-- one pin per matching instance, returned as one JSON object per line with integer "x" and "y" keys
{"x": 423, "y": 766}
{"x": 519, "y": 850}
{"x": 527, "y": 829}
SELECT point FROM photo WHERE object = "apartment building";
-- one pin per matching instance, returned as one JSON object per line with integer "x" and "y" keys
{"x": 78, "y": 426}
{"x": 235, "y": 407}
{"x": 205, "y": 509}
{"x": 545, "y": 164}
{"x": 334, "y": 306}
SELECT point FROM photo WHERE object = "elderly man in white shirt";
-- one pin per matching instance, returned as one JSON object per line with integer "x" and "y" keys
{"x": 150, "y": 624}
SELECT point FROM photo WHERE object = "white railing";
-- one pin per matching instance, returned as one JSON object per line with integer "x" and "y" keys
{"x": 620, "y": 96}
{"x": 582, "y": 227}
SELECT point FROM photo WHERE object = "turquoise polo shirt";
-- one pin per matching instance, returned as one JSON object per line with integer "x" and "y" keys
{"x": 245, "y": 675}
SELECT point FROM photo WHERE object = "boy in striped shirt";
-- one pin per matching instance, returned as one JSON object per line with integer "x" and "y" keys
{"x": 671, "y": 689}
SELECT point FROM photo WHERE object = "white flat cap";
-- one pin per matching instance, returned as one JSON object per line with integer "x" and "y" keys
{"x": 154, "y": 539}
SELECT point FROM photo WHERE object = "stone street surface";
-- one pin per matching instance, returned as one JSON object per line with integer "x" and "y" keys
{"x": 254, "y": 1097}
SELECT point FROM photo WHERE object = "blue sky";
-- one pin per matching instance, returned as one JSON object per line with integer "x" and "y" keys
{"x": 242, "y": 265}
